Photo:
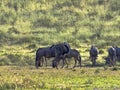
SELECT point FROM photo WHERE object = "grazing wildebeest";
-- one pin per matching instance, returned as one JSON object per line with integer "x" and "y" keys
{"x": 117, "y": 53}
{"x": 93, "y": 54}
{"x": 40, "y": 53}
{"x": 46, "y": 52}
{"x": 53, "y": 51}
{"x": 112, "y": 55}
{"x": 60, "y": 50}
{"x": 73, "y": 53}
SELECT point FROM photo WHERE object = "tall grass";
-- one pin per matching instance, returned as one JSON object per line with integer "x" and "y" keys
{"x": 31, "y": 24}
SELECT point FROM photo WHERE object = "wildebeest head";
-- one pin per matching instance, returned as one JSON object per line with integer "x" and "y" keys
{"x": 67, "y": 46}
{"x": 93, "y": 51}
{"x": 111, "y": 52}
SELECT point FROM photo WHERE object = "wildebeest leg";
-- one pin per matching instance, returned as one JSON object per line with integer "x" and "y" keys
{"x": 75, "y": 63}
{"x": 36, "y": 61}
{"x": 92, "y": 60}
{"x": 41, "y": 61}
{"x": 37, "y": 64}
{"x": 79, "y": 60}
{"x": 55, "y": 63}
{"x": 45, "y": 61}
{"x": 115, "y": 61}
{"x": 111, "y": 61}
{"x": 66, "y": 63}
{"x": 63, "y": 63}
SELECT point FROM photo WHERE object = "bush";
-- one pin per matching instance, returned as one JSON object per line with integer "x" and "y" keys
{"x": 32, "y": 46}
{"x": 3, "y": 36}
{"x": 18, "y": 59}
{"x": 5, "y": 61}
{"x": 101, "y": 51}
{"x": 13, "y": 30}
{"x": 8, "y": 86}
{"x": 8, "y": 17}
{"x": 114, "y": 5}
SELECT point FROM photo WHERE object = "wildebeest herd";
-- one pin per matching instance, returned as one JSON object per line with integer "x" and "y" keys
{"x": 61, "y": 51}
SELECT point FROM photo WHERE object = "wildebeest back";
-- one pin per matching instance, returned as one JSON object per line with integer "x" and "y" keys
{"x": 93, "y": 51}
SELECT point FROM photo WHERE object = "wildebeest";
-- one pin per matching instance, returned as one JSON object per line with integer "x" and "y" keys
{"x": 60, "y": 50}
{"x": 117, "y": 53}
{"x": 93, "y": 54}
{"x": 112, "y": 55}
{"x": 73, "y": 53}
{"x": 40, "y": 53}
{"x": 53, "y": 51}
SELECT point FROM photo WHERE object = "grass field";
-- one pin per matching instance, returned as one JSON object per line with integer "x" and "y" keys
{"x": 85, "y": 78}
{"x": 26, "y": 25}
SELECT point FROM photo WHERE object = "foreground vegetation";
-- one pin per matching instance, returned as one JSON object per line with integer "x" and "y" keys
{"x": 29, "y": 78}
{"x": 26, "y": 25}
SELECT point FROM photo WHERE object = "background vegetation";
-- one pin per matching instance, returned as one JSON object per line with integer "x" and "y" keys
{"x": 26, "y": 25}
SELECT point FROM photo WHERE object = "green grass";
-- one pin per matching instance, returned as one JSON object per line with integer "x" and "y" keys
{"x": 27, "y": 78}
{"x": 26, "y": 25}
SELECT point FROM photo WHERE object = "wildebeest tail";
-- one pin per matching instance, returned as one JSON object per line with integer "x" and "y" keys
{"x": 79, "y": 58}
{"x": 37, "y": 59}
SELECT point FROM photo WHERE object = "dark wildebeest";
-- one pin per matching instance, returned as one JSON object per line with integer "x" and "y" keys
{"x": 73, "y": 53}
{"x": 49, "y": 52}
{"x": 93, "y": 55}
{"x": 60, "y": 50}
{"x": 117, "y": 53}
{"x": 40, "y": 53}
{"x": 112, "y": 55}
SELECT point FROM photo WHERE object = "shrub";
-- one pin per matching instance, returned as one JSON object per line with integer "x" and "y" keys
{"x": 114, "y": 68}
{"x": 8, "y": 86}
{"x": 32, "y": 46}
{"x": 97, "y": 71}
{"x": 5, "y": 61}
{"x": 3, "y": 35}
{"x": 101, "y": 51}
{"x": 114, "y": 5}
{"x": 13, "y": 30}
